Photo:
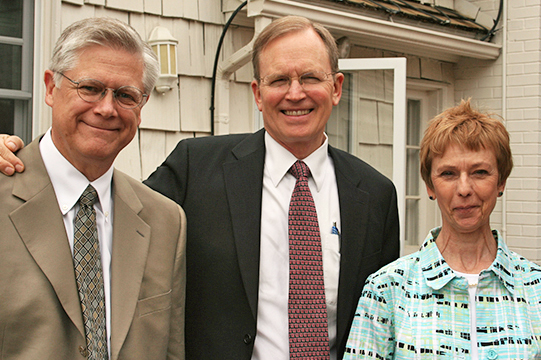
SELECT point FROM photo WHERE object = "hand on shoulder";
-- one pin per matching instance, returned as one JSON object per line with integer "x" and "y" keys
{"x": 9, "y": 163}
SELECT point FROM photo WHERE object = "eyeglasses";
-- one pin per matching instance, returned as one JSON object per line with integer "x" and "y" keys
{"x": 90, "y": 90}
{"x": 308, "y": 81}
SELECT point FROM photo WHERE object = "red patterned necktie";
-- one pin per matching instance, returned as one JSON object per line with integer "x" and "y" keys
{"x": 87, "y": 262}
{"x": 308, "y": 333}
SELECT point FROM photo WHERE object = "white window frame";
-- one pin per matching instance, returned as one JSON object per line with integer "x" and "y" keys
{"x": 398, "y": 66}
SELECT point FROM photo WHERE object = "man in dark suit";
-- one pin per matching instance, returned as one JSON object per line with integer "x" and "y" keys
{"x": 236, "y": 189}
{"x": 99, "y": 280}
{"x": 220, "y": 182}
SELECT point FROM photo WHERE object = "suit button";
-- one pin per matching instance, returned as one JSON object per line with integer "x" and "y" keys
{"x": 83, "y": 350}
{"x": 247, "y": 339}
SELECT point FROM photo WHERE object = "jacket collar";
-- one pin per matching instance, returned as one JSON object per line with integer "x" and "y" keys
{"x": 438, "y": 273}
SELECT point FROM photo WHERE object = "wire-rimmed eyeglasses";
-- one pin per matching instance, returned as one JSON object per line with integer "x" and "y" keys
{"x": 91, "y": 90}
{"x": 309, "y": 81}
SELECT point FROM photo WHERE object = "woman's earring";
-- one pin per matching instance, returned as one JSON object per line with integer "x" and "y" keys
{"x": 431, "y": 197}
{"x": 500, "y": 193}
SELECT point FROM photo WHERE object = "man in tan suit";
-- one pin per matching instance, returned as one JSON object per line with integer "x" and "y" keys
{"x": 100, "y": 77}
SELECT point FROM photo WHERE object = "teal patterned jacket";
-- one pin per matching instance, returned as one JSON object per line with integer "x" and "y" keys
{"x": 418, "y": 308}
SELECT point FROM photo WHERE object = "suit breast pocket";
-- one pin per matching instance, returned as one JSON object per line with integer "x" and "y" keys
{"x": 154, "y": 304}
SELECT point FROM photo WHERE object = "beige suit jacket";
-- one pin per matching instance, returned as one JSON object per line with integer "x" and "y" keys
{"x": 40, "y": 312}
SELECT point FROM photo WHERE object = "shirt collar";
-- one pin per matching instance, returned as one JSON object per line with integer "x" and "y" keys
{"x": 437, "y": 272}
{"x": 68, "y": 182}
{"x": 278, "y": 160}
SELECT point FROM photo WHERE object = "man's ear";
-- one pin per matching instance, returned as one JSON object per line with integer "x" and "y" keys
{"x": 337, "y": 88}
{"x": 257, "y": 94}
{"x": 50, "y": 85}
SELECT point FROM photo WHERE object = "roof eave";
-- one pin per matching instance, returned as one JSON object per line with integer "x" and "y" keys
{"x": 381, "y": 34}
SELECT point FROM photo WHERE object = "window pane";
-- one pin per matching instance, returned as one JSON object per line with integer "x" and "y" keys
{"x": 414, "y": 122}
{"x": 413, "y": 173}
{"x": 339, "y": 125}
{"x": 412, "y": 222}
{"x": 11, "y": 18}
{"x": 7, "y": 114}
{"x": 10, "y": 67}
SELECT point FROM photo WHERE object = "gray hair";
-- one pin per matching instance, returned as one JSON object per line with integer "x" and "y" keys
{"x": 104, "y": 32}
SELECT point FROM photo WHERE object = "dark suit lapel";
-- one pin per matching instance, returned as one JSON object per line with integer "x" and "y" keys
{"x": 41, "y": 227}
{"x": 243, "y": 174}
{"x": 131, "y": 239}
{"x": 353, "y": 212}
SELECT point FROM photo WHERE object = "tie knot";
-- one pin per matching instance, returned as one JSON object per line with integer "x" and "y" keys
{"x": 299, "y": 169}
{"x": 89, "y": 197}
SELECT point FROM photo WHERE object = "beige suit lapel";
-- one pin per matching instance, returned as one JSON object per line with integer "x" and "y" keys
{"x": 41, "y": 227}
{"x": 131, "y": 239}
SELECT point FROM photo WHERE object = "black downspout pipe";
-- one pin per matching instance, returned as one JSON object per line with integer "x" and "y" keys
{"x": 214, "y": 70}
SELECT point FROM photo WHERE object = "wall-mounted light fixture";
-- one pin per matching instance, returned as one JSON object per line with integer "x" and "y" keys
{"x": 165, "y": 47}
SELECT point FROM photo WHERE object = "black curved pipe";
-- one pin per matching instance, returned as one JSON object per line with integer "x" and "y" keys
{"x": 491, "y": 31}
{"x": 213, "y": 87}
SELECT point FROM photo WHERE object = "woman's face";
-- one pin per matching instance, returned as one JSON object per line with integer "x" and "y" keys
{"x": 466, "y": 188}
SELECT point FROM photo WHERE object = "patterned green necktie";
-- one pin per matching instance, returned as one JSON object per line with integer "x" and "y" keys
{"x": 87, "y": 262}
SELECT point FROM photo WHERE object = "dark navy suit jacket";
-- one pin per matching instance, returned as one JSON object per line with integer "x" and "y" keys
{"x": 218, "y": 182}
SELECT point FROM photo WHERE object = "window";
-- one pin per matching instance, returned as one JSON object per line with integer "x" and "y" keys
{"x": 370, "y": 120}
{"x": 16, "y": 41}
{"x": 421, "y": 213}
{"x": 413, "y": 182}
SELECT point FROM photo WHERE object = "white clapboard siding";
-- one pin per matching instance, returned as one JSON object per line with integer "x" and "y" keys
{"x": 190, "y": 9}
{"x": 128, "y": 160}
{"x": 241, "y": 108}
{"x": 413, "y": 67}
{"x": 126, "y": 5}
{"x": 153, "y": 7}
{"x": 95, "y": 2}
{"x": 75, "y": 2}
{"x": 210, "y": 11}
{"x": 385, "y": 122}
{"x": 152, "y": 145}
{"x": 194, "y": 104}
{"x": 212, "y": 37}
{"x": 190, "y": 47}
{"x": 173, "y": 8}
{"x": 114, "y": 13}
{"x": 240, "y": 37}
{"x": 367, "y": 122}
{"x": 379, "y": 156}
{"x": 71, "y": 14}
{"x": 162, "y": 111}
{"x": 431, "y": 69}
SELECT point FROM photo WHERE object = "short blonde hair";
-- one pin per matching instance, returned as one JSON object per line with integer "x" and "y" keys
{"x": 287, "y": 25}
{"x": 464, "y": 126}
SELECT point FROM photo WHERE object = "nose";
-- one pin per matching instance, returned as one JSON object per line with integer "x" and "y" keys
{"x": 464, "y": 187}
{"x": 296, "y": 91}
{"x": 106, "y": 106}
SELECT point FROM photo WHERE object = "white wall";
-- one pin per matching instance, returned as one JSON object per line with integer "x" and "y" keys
{"x": 483, "y": 81}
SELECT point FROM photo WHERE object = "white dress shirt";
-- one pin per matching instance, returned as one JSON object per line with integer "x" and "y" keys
{"x": 272, "y": 340}
{"x": 69, "y": 184}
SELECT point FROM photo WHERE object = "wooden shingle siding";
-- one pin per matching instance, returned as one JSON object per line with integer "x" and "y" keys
{"x": 210, "y": 11}
{"x": 162, "y": 111}
{"x": 152, "y": 147}
{"x": 126, "y": 5}
{"x": 129, "y": 159}
{"x": 241, "y": 107}
{"x": 237, "y": 39}
{"x": 194, "y": 104}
